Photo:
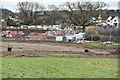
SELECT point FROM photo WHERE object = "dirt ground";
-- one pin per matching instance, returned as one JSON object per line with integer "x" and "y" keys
{"x": 47, "y": 48}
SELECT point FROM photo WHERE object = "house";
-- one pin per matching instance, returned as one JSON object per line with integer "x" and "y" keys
{"x": 109, "y": 20}
{"x": 113, "y": 21}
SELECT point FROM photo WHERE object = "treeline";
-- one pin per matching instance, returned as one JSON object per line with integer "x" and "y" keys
{"x": 103, "y": 35}
{"x": 75, "y": 13}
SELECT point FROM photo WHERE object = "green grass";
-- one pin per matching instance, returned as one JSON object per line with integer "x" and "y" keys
{"x": 59, "y": 67}
{"x": 101, "y": 45}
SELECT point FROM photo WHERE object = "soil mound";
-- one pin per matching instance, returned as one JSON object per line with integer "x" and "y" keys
{"x": 117, "y": 51}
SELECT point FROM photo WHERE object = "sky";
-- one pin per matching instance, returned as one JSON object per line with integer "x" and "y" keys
{"x": 11, "y": 4}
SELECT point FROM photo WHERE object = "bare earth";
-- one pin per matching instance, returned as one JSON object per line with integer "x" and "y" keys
{"x": 38, "y": 49}
{"x": 46, "y": 47}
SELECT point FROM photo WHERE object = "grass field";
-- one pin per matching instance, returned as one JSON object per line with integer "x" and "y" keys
{"x": 22, "y": 63}
{"x": 59, "y": 67}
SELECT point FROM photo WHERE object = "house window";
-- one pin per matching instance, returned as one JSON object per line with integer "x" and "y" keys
{"x": 75, "y": 28}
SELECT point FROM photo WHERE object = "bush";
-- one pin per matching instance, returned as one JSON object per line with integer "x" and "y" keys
{"x": 88, "y": 37}
{"x": 96, "y": 38}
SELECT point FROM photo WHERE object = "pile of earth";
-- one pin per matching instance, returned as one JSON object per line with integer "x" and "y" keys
{"x": 117, "y": 51}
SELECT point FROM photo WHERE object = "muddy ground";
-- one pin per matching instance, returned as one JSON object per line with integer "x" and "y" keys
{"x": 45, "y": 49}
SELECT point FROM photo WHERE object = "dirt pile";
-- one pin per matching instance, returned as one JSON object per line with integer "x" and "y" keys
{"x": 117, "y": 51}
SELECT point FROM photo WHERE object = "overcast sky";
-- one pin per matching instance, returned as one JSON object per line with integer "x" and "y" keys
{"x": 11, "y": 4}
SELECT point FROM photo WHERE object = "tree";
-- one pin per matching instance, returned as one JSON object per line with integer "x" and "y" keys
{"x": 28, "y": 11}
{"x": 55, "y": 14}
{"x": 10, "y": 22}
{"x": 80, "y": 13}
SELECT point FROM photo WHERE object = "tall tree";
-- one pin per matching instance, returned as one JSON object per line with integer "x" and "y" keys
{"x": 82, "y": 12}
{"x": 28, "y": 11}
{"x": 54, "y": 13}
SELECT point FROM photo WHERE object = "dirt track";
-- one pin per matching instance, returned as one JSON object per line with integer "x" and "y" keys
{"x": 45, "y": 49}
{"x": 48, "y": 47}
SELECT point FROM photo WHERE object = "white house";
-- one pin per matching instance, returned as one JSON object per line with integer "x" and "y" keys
{"x": 113, "y": 20}
{"x": 98, "y": 20}
{"x": 109, "y": 20}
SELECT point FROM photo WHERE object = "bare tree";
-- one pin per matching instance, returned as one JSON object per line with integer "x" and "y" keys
{"x": 82, "y": 12}
{"x": 53, "y": 13}
{"x": 28, "y": 11}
